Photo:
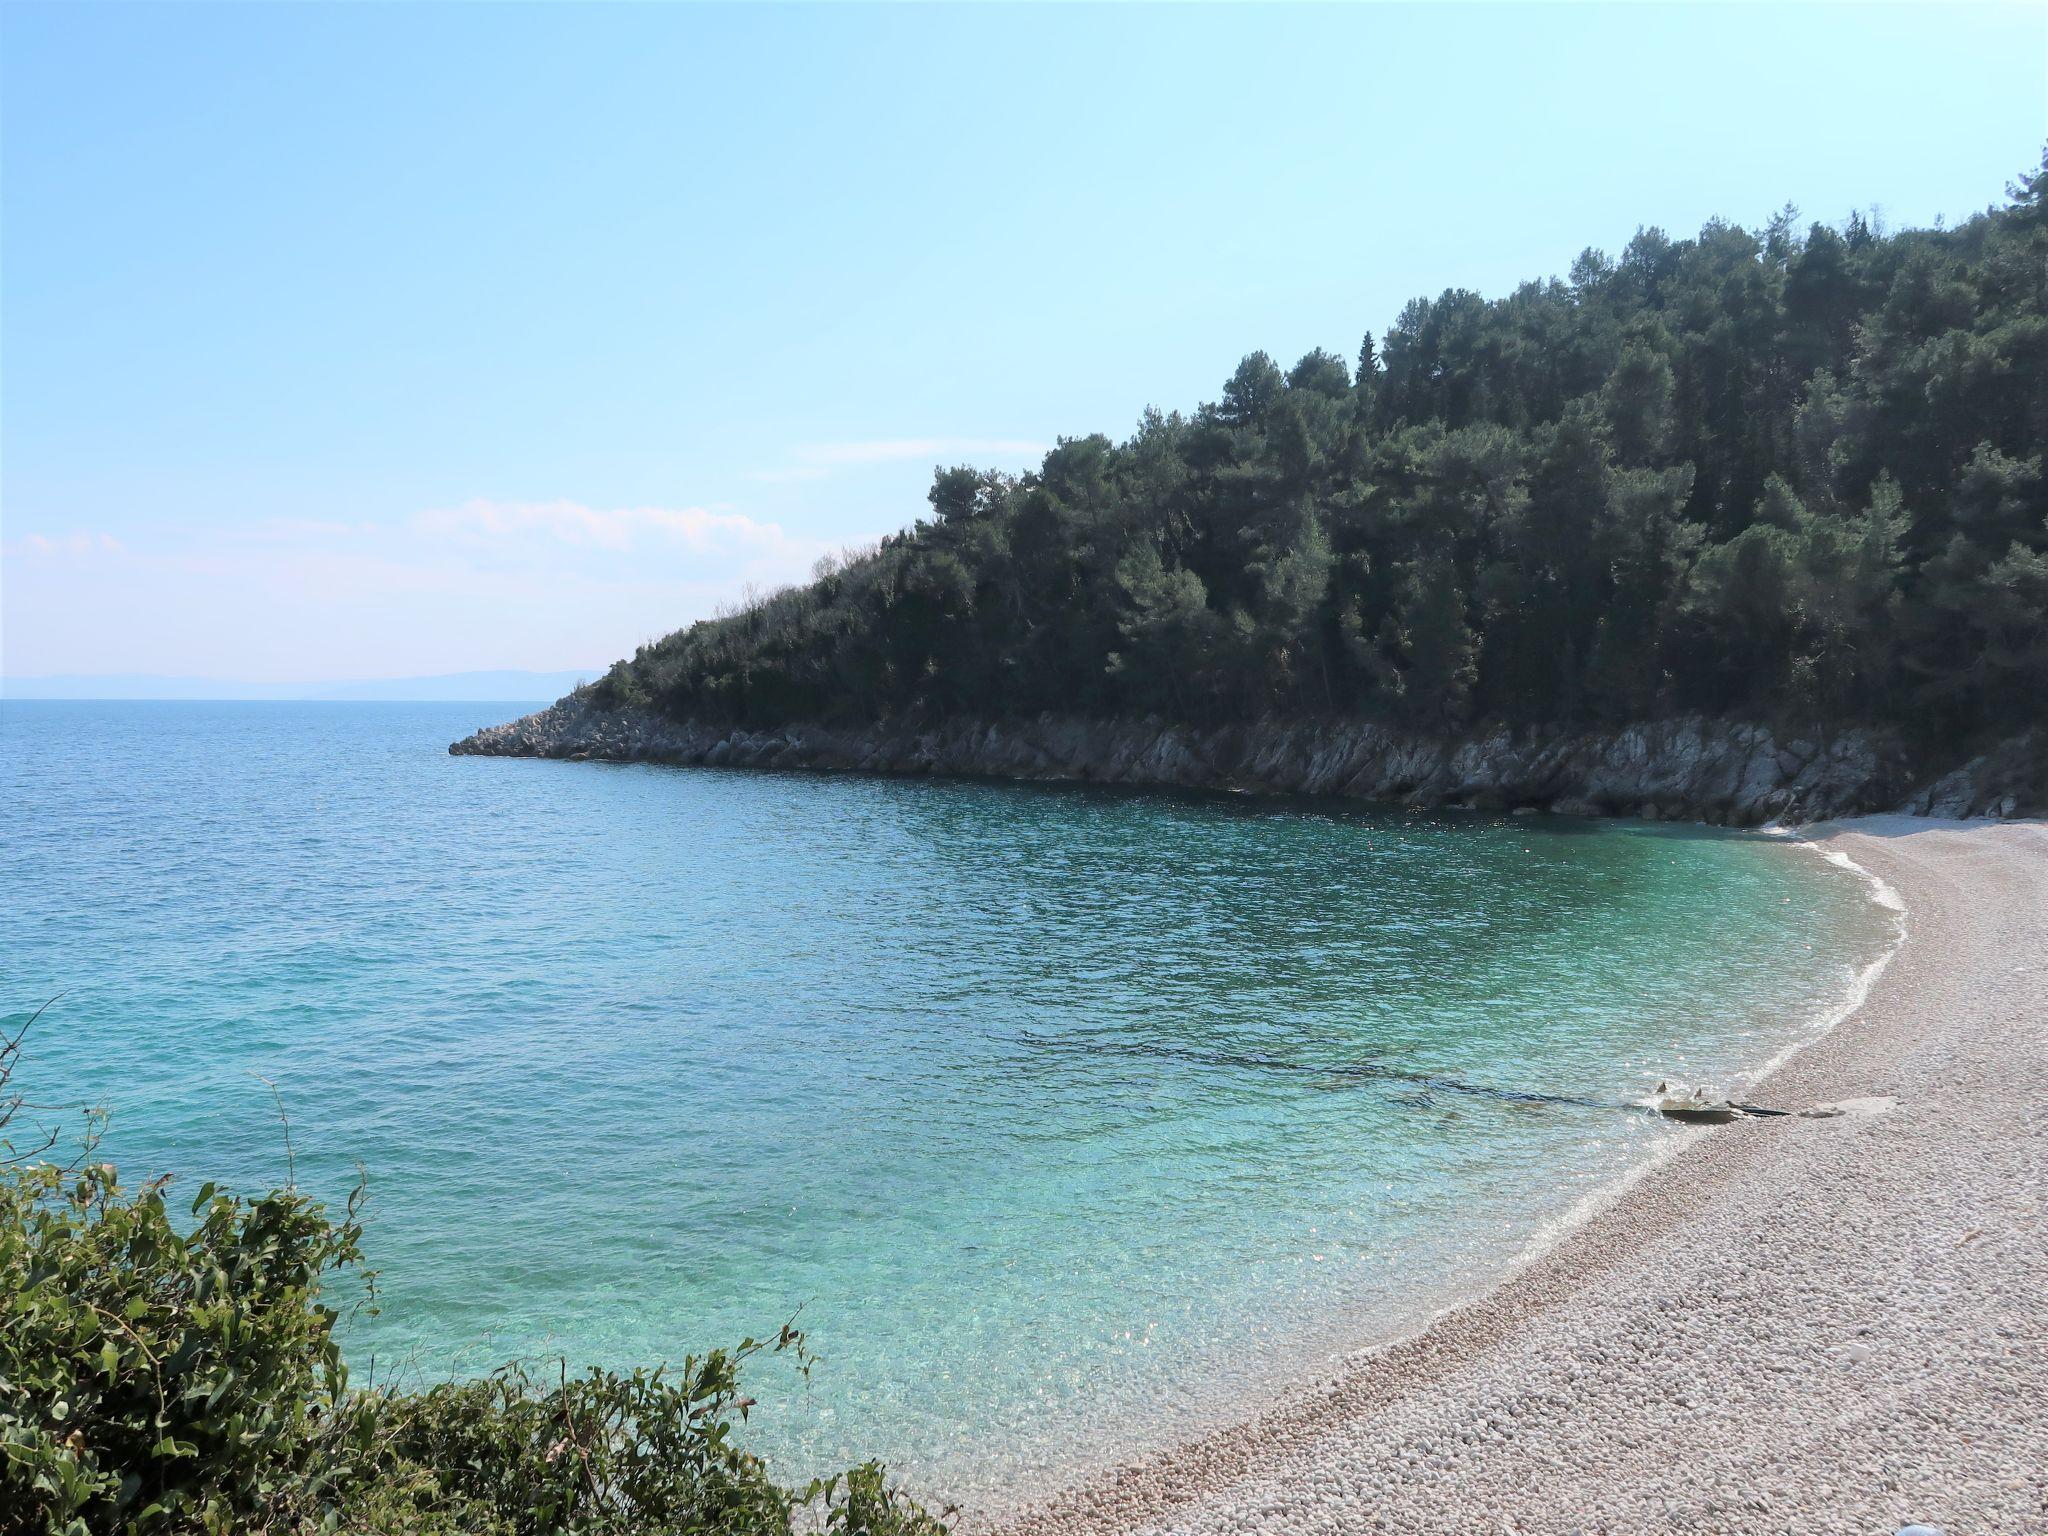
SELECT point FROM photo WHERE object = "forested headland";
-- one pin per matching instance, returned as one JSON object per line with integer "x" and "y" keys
{"x": 1788, "y": 475}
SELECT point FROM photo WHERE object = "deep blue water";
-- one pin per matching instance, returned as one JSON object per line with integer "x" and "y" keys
{"x": 1056, "y": 1111}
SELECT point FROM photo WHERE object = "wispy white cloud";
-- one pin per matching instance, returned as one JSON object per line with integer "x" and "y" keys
{"x": 699, "y": 530}
{"x": 814, "y": 461}
{"x": 481, "y": 584}
{"x": 77, "y": 545}
{"x": 896, "y": 450}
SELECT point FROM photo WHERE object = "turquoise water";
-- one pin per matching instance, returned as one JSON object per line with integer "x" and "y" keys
{"x": 1070, "y": 1119}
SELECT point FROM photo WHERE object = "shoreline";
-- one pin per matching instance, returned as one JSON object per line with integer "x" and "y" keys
{"x": 1883, "y": 895}
{"x": 1297, "y": 1386}
{"x": 1790, "y": 1324}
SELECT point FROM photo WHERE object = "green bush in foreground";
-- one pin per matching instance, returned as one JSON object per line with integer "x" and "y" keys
{"x": 162, "y": 1377}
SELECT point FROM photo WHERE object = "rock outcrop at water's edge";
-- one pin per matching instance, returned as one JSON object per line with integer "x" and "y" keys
{"x": 1693, "y": 769}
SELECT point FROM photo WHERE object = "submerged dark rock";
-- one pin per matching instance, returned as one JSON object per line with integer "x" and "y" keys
{"x": 1696, "y": 769}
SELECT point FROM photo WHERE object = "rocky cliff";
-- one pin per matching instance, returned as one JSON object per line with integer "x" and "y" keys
{"x": 1704, "y": 770}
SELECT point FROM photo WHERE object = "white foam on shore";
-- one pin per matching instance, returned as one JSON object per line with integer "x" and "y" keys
{"x": 1844, "y": 1006}
{"x": 1882, "y": 894}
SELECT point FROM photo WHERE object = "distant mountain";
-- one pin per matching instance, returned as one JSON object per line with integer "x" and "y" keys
{"x": 503, "y": 686}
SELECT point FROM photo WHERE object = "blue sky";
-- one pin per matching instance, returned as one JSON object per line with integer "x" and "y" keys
{"x": 383, "y": 340}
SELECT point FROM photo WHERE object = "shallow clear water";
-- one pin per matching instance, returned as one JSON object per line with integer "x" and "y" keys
{"x": 1069, "y": 1118}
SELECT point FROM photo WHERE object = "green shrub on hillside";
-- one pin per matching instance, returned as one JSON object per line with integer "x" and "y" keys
{"x": 160, "y": 1377}
{"x": 153, "y": 1379}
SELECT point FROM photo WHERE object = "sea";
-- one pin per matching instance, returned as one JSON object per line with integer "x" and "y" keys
{"x": 1066, "y": 1122}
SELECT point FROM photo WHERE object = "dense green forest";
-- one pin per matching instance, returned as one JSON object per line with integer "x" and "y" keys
{"x": 1761, "y": 473}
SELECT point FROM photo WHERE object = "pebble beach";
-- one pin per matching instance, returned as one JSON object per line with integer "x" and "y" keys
{"x": 1832, "y": 1322}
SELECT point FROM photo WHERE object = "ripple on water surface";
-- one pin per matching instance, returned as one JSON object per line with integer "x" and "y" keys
{"x": 1069, "y": 1118}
